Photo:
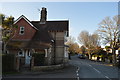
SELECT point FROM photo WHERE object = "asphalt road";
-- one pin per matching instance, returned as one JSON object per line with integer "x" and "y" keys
{"x": 79, "y": 69}
{"x": 88, "y": 69}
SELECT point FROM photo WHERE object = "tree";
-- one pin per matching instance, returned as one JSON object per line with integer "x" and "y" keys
{"x": 70, "y": 40}
{"x": 7, "y": 28}
{"x": 83, "y": 38}
{"x": 73, "y": 46}
{"x": 83, "y": 49}
{"x": 95, "y": 40}
{"x": 109, "y": 30}
{"x": 89, "y": 41}
{"x": 99, "y": 53}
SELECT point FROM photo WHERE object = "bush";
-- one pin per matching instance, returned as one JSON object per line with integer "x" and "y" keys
{"x": 110, "y": 57}
{"x": 8, "y": 62}
{"x": 39, "y": 59}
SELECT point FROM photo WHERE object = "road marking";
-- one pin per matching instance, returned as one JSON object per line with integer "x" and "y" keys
{"x": 77, "y": 72}
{"x": 89, "y": 65}
{"x": 99, "y": 71}
{"x": 77, "y": 78}
{"x": 108, "y": 77}
{"x": 96, "y": 70}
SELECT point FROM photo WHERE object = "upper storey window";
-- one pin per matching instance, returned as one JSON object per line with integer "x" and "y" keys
{"x": 22, "y": 29}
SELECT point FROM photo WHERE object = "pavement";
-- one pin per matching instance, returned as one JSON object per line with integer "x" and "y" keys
{"x": 67, "y": 72}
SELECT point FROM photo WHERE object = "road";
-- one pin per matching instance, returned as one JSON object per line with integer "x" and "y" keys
{"x": 79, "y": 69}
{"x": 94, "y": 70}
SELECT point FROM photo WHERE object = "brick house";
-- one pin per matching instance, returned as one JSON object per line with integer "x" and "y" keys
{"x": 40, "y": 36}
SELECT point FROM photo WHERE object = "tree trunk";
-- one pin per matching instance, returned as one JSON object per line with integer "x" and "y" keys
{"x": 4, "y": 48}
{"x": 114, "y": 56}
{"x": 90, "y": 57}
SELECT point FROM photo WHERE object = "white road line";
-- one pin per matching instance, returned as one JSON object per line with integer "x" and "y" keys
{"x": 108, "y": 77}
{"x": 77, "y": 72}
{"x": 96, "y": 70}
{"x": 99, "y": 71}
{"x": 89, "y": 65}
{"x": 77, "y": 78}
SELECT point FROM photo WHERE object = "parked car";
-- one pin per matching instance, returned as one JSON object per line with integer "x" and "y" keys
{"x": 81, "y": 56}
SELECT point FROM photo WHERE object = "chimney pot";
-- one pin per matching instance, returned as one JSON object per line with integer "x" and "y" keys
{"x": 43, "y": 15}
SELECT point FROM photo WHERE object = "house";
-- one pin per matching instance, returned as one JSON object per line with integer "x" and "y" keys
{"x": 43, "y": 36}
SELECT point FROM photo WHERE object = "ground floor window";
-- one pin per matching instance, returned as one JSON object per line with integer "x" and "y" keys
{"x": 21, "y": 53}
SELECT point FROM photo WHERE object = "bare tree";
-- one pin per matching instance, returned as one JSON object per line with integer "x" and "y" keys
{"x": 95, "y": 40}
{"x": 89, "y": 41}
{"x": 70, "y": 40}
{"x": 109, "y": 30}
{"x": 83, "y": 38}
{"x": 83, "y": 49}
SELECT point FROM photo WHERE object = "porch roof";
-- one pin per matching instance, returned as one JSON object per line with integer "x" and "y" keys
{"x": 27, "y": 45}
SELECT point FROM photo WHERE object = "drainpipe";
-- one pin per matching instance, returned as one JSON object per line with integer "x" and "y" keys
{"x": 54, "y": 47}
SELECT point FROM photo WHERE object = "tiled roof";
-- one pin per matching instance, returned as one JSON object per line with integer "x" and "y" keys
{"x": 53, "y": 25}
{"x": 57, "y": 25}
{"x": 27, "y": 45}
{"x": 37, "y": 45}
{"x": 42, "y": 34}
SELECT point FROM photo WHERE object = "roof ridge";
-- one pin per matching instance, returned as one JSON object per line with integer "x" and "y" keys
{"x": 27, "y": 20}
{"x": 52, "y": 21}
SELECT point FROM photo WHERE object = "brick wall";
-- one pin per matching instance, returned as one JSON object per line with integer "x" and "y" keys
{"x": 28, "y": 33}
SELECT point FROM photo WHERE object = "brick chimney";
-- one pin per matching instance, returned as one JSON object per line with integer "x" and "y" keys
{"x": 43, "y": 15}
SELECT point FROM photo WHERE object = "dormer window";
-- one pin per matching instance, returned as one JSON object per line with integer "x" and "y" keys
{"x": 21, "y": 30}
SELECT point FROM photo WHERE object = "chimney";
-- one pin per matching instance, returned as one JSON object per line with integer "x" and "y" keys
{"x": 43, "y": 15}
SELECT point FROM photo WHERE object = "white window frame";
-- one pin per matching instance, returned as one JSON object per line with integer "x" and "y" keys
{"x": 22, "y": 29}
{"x": 21, "y": 55}
{"x": 46, "y": 53}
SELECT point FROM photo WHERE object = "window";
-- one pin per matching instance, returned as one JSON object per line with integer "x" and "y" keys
{"x": 21, "y": 30}
{"x": 20, "y": 53}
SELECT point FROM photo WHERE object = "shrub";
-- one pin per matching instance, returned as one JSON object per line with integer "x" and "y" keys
{"x": 39, "y": 59}
{"x": 8, "y": 62}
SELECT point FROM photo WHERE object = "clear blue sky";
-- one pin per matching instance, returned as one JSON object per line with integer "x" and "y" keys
{"x": 81, "y": 15}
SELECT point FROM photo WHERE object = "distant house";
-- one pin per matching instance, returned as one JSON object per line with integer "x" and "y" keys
{"x": 42, "y": 36}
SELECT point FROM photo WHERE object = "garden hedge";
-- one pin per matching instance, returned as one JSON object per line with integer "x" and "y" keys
{"x": 8, "y": 62}
{"x": 39, "y": 59}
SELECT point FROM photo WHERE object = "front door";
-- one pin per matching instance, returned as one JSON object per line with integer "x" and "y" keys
{"x": 27, "y": 57}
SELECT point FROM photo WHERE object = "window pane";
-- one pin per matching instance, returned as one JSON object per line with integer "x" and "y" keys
{"x": 21, "y": 30}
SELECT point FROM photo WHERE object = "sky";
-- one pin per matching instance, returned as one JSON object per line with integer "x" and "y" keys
{"x": 81, "y": 15}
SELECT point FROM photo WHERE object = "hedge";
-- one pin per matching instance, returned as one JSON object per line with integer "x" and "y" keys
{"x": 8, "y": 62}
{"x": 39, "y": 59}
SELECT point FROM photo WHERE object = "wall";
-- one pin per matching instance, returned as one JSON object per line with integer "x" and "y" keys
{"x": 29, "y": 30}
{"x": 59, "y": 46}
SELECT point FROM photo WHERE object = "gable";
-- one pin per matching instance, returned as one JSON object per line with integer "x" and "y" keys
{"x": 23, "y": 17}
{"x": 29, "y": 31}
